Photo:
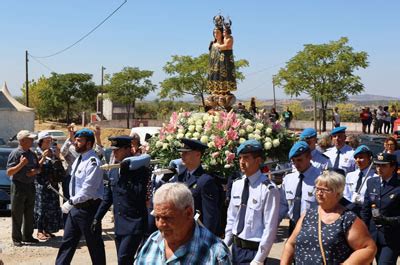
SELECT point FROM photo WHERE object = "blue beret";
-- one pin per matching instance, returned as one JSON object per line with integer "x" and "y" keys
{"x": 298, "y": 148}
{"x": 362, "y": 149}
{"x": 385, "y": 158}
{"x": 120, "y": 141}
{"x": 337, "y": 130}
{"x": 308, "y": 133}
{"x": 85, "y": 132}
{"x": 249, "y": 146}
{"x": 191, "y": 145}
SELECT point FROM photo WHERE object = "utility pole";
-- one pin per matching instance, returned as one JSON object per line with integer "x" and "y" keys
{"x": 101, "y": 91}
{"x": 273, "y": 88}
{"x": 26, "y": 79}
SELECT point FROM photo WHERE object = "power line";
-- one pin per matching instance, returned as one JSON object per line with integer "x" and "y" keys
{"x": 39, "y": 62}
{"x": 84, "y": 36}
{"x": 264, "y": 69}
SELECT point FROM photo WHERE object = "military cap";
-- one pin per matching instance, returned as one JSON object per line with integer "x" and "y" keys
{"x": 85, "y": 132}
{"x": 298, "y": 148}
{"x": 192, "y": 145}
{"x": 120, "y": 141}
{"x": 385, "y": 158}
{"x": 249, "y": 146}
{"x": 337, "y": 130}
{"x": 308, "y": 133}
{"x": 362, "y": 149}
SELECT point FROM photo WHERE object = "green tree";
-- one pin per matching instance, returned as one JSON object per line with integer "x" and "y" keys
{"x": 325, "y": 72}
{"x": 296, "y": 108}
{"x": 129, "y": 85}
{"x": 189, "y": 76}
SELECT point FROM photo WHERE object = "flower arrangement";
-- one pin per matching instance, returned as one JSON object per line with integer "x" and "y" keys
{"x": 223, "y": 132}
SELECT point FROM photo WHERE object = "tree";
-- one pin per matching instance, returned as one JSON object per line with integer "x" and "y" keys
{"x": 189, "y": 76}
{"x": 325, "y": 72}
{"x": 129, "y": 85}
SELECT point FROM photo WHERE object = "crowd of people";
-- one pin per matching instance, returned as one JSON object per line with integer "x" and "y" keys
{"x": 382, "y": 119}
{"x": 342, "y": 204}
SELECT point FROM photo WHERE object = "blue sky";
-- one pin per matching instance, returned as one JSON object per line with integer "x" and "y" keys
{"x": 146, "y": 34}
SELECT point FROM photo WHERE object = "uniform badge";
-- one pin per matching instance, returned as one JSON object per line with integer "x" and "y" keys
{"x": 310, "y": 194}
{"x": 392, "y": 196}
{"x": 346, "y": 160}
{"x": 79, "y": 171}
{"x": 194, "y": 186}
{"x": 254, "y": 201}
{"x": 289, "y": 192}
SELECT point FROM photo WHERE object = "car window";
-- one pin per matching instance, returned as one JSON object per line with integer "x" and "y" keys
{"x": 3, "y": 159}
{"x": 57, "y": 133}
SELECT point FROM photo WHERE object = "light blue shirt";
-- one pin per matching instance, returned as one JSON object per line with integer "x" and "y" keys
{"x": 351, "y": 182}
{"x": 288, "y": 192}
{"x": 346, "y": 158}
{"x": 262, "y": 213}
{"x": 88, "y": 178}
{"x": 319, "y": 160}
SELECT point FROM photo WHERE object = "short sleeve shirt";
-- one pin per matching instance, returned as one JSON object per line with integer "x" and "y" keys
{"x": 13, "y": 160}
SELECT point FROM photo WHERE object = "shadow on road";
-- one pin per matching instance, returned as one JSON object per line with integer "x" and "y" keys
{"x": 282, "y": 233}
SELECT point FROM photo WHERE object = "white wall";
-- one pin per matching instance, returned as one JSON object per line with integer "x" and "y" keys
{"x": 11, "y": 122}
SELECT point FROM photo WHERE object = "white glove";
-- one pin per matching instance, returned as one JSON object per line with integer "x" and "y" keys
{"x": 66, "y": 207}
{"x": 254, "y": 262}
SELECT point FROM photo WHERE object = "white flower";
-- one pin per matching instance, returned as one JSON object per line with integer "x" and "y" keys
{"x": 204, "y": 139}
{"x": 159, "y": 144}
{"x": 206, "y": 117}
{"x": 211, "y": 145}
{"x": 227, "y": 152}
{"x": 227, "y": 166}
{"x": 165, "y": 146}
{"x": 199, "y": 128}
{"x": 199, "y": 122}
{"x": 188, "y": 135}
{"x": 248, "y": 122}
{"x": 250, "y": 136}
{"x": 216, "y": 119}
{"x": 257, "y": 137}
{"x": 249, "y": 128}
{"x": 267, "y": 145}
{"x": 191, "y": 128}
{"x": 242, "y": 140}
{"x": 170, "y": 137}
{"x": 242, "y": 132}
{"x": 213, "y": 162}
{"x": 268, "y": 131}
{"x": 259, "y": 125}
{"x": 181, "y": 130}
{"x": 267, "y": 139}
{"x": 191, "y": 121}
{"x": 257, "y": 131}
{"x": 275, "y": 142}
{"x": 180, "y": 136}
{"x": 196, "y": 135}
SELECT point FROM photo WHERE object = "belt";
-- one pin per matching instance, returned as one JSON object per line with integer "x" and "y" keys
{"x": 242, "y": 243}
{"x": 87, "y": 203}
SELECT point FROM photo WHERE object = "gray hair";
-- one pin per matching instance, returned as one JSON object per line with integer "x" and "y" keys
{"x": 332, "y": 180}
{"x": 176, "y": 193}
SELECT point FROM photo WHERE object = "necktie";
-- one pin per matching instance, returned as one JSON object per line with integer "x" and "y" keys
{"x": 359, "y": 181}
{"x": 73, "y": 176}
{"x": 336, "y": 165}
{"x": 297, "y": 199}
{"x": 187, "y": 177}
{"x": 243, "y": 206}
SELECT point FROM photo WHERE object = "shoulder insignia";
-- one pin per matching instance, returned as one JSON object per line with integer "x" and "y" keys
{"x": 238, "y": 179}
{"x": 323, "y": 155}
{"x": 269, "y": 184}
{"x": 93, "y": 161}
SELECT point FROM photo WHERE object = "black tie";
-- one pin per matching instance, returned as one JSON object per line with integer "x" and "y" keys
{"x": 360, "y": 176}
{"x": 243, "y": 206}
{"x": 297, "y": 199}
{"x": 336, "y": 165}
{"x": 73, "y": 175}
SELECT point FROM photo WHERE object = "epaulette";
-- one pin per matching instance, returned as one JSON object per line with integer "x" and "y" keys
{"x": 236, "y": 179}
{"x": 93, "y": 161}
{"x": 327, "y": 157}
{"x": 269, "y": 184}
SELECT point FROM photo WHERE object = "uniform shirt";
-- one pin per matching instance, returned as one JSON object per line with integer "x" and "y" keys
{"x": 288, "y": 192}
{"x": 346, "y": 159}
{"x": 68, "y": 152}
{"x": 351, "y": 183}
{"x": 88, "y": 178}
{"x": 262, "y": 213}
{"x": 14, "y": 159}
{"x": 203, "y": 248}
{"x": 319, "y": 160}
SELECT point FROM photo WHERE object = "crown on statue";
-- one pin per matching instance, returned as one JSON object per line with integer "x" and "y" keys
{"x": 227, "y": 23}
{"x": 218, "y": 21}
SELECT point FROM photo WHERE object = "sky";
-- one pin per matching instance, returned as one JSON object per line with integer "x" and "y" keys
{"x": 146, "y": 34}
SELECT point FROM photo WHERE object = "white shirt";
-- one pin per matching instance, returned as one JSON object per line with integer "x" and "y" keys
{"x": 288, "y": 192}
{"x": 262, "y": 213}
{"x": 351, "y": 182}
{"x": 346, "y": 158}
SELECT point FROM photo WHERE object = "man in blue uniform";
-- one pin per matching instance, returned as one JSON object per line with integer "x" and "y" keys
{"x": 126, "y": 190}
{"x": 341, "y": 155}
{"x": 297, "y": 191}
{"x": 356, "y": 181}
{"x": 86, "y": 192}
{"x": 253, "y": 210}
{"x": 381, "y": 209}
{"x": 318, "y": 159}
{"x": 204, "y": 187}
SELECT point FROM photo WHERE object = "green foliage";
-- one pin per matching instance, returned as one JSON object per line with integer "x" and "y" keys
{"x": 296, "y": 108}
{"x": 189, "y": 76}
{"x": 129, "y": 85}
{"x": 325, "y": 72}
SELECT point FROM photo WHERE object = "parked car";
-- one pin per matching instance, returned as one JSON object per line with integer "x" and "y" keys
{"x": 57, "y": 135}
{"x": 374, "y": 142}
{"x": 143, "y": 131}
{"x": 2, "y": 142}
{"x": 5, "y": 182}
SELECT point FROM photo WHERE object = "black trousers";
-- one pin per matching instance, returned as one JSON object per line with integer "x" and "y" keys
{"x": 78, "y": 223}
{"x": 386, "y": 255}
{"x": 126, "y": 248}
{"x": 22, "y": 205}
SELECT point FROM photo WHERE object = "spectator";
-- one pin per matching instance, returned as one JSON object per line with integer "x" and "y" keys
{"x": 386, "y": 120}
{"x": 369, "y": 121}
{"x": 273, "y": 115}
{"x": 287, "y": 116}
{"x": 364, "y": 117}
{"x": 180, "y": 238}
{"x": 336, "y": 117}
{"x": 253, "y": 107}
{"x": 352, "y": 141}
{"x": 393, "y": 117}
{"x": 324, "y": 143}
{"x": 391, "y": 147}
{"x": 22, "y": 167}
{"x": 331, "y": 230}
{"x": 375, "y": 122}
{"x": 380, "y": 118}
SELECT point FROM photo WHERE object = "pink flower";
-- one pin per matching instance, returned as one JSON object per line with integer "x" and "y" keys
{"x": 231, "y": 134}
{"x": 220, "y": 126}
{"x": 276, "y": 126}
{"x": 235, "y": 123}
{"x": 219, "y": 142}
{"x": 207, "y": 126}
{"x": 230, "y": 157}
{"x": 215, "y": 154}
